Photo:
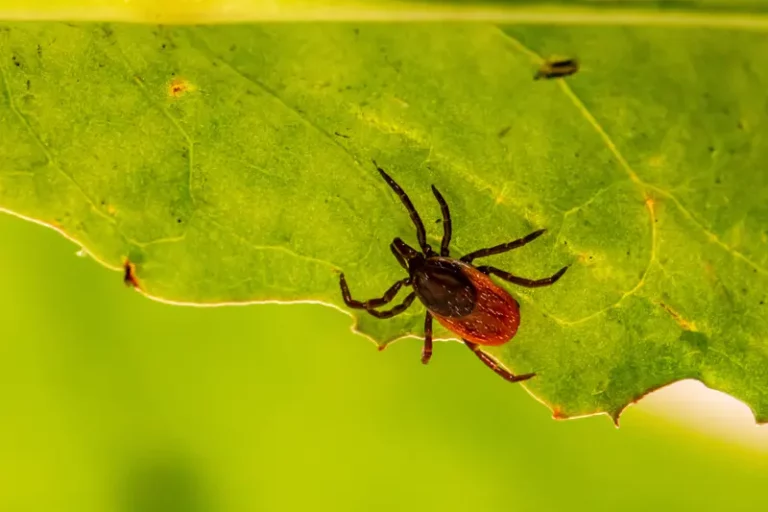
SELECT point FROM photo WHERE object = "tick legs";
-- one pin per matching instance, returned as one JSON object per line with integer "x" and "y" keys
{"x": 372, "y": 303}
{"x": 522, "y": 281}
{"x": 426, "y": 352}
{"x": 495, "y": 366}
{"x": 368, "y": 305}
{"x": 395, "y": 310}
{"x": 446, "y": 222}
{"x": 421, "y": 233}
{"x": 498, "y": 249}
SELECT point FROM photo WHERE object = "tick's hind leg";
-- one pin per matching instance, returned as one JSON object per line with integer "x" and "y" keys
{"x": 494, "y": 365}
{"x": 395, "y": 310}
{"x": 522, "y": 281}
{"x": 368, "y": 305}
{"x": 372, "y": 303}
{"x": 426, "y": 352}
{"x": 498, "y": 249}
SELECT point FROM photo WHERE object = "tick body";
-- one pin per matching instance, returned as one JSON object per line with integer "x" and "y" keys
{"x": 460, "y": 295}
{"x": 466, "y": 301}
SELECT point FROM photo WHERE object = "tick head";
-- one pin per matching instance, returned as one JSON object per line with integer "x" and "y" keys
{"x": 406, "y": 255}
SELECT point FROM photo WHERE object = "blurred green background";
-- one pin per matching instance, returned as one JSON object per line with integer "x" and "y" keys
{"x": 112, "y": 402}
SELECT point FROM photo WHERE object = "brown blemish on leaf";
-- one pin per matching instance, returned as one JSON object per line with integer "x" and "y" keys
{"x": 557, "y": 414}
{"x": 682, "y": 322}
{"x": 179, "y": 86}
{"x": 129, "y": 276}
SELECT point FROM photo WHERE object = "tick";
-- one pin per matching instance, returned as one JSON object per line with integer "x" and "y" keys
{"x": 460, "y": 295}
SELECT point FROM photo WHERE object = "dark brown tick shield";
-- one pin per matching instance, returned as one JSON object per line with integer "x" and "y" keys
{"x": 460, "y": 295}
{"x": 493, "y": 320}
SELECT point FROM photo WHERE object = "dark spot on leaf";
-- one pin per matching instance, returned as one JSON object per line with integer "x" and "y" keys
{"x": 576, "y": 154}
{"x": 341, "y": 135}
{"x": 163, "y": 46}
{"x": 739, "y": 125}
{"x": 627, "y": 253}
{"x": 129, "y": 275}
{"x": 185, "y": 153}
{"x": 39, "y": 51}
{"x": 695, "y": 340}
{"x": 178, "y": 221}
{"x": 357, "y": 31}
{"x": 762, "y": 302}
{"x": 438, "y": 221}
{"x": 107, "y": 30}
{"x": 744, "y": 291}
{"x": 16, "y": 62}
{"x": 557, "y": 68}
{"x": 711, "y": 149}
{"x": 28, "y": 84}
{"x": 101, "y": 64}
{"x": 233, "y": 48}
{"x": 717, "y": 180}
{"x": 504, "y": 131}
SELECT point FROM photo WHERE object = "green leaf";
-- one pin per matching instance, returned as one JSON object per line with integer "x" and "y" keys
{"x": 232, "y": 164}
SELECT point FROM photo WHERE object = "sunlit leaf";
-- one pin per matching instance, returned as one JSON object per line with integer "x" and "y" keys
{"x": 233, "y": 164}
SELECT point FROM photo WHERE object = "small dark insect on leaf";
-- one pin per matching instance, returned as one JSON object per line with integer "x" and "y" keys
{"x": 557, "y": 68}
{"x": 459, "y": 295}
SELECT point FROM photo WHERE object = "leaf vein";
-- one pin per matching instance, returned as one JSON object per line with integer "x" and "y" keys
{"x": 164, "y": 110}
{"x": 273, "y": 94}
{"x": 277, "y": 248}
{"x": 622, "y": 163}
{"x": 46, "y": 150}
